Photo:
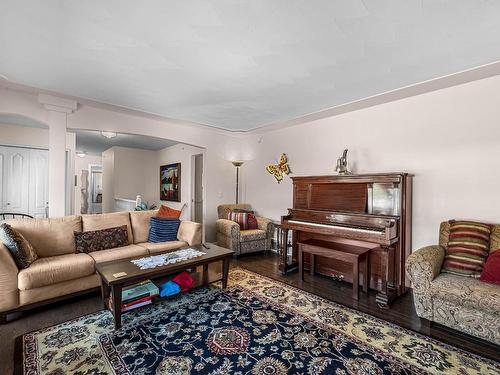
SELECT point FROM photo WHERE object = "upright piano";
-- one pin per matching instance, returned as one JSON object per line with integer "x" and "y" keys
{"x": 355, "y": 209}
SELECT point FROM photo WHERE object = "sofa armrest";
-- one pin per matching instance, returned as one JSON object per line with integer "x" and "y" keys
{"x": 265, "y": 224}
{"x": 424, "y": 265}
{"x": 9, "y": 293}
{"x": 190, "y": 232}
{"x": 228, "y": 228}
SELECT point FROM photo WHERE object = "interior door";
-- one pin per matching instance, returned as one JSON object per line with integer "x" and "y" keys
{"x": 39, "y": 184}
{"x": 15, "y": 179}
{"x": 198, "y": 189}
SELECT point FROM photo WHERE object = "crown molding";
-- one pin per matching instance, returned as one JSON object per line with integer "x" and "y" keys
{"x": 58, "y": 104}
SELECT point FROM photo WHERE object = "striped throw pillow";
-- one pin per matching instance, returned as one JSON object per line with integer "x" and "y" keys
{"x": 244, "y": 219}
{"x": 162, "y": 230}
{"x": 467, "y": 250}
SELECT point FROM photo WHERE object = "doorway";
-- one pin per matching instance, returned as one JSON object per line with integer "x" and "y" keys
{"x": 91, "y": 189}
{"x": 197, "y": 191}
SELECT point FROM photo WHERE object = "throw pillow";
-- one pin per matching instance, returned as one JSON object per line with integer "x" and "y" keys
{"x": 167, "y": 212}
{"x": 96, "y": 240}
{"x": 467, "y": 250}
{"x": 491, "y": 270}
{"x": 19, "y": 247}
{"x": 163, "y": 229}
{"x": 245, "y": 220}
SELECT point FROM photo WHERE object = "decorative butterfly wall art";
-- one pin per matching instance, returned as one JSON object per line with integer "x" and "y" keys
{"x": 279, "y": 169}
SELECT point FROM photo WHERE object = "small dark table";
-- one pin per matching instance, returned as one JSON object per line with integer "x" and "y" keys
{"x": 111, "y": 286}
{"x": 355, "y": 255}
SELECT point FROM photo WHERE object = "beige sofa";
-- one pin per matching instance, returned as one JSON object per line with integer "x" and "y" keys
{"x": 462, "y": 303}
{"x": 59, "y": 271}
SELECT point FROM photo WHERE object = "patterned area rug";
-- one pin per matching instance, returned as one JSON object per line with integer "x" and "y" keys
{"x": 256, "y": 326}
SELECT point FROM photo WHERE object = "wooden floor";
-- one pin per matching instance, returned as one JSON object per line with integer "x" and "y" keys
{"x": 402, "y": 311}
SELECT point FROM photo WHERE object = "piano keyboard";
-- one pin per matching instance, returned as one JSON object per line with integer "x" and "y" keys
{"x": 350, "y": 228}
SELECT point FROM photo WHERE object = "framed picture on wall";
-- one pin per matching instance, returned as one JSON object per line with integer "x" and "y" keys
{"x": 170, "y": 182}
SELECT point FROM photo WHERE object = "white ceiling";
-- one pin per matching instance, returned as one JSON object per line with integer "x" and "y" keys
{"x": 94, "y": 143}
{"x": 241, "y": 64}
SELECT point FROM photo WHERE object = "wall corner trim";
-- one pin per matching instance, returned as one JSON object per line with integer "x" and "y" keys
{"x": 54, "y": 103}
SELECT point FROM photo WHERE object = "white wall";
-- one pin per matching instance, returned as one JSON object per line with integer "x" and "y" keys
{"x": 450, "y": 140}
{"x": 16, "y": 135}
{"x": 179, "y": 153}
{"x": 135, "y": 173}
{"x": 128, "y": 172}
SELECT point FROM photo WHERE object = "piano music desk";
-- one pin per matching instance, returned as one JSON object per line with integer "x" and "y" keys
{"x": 355, "y": 255}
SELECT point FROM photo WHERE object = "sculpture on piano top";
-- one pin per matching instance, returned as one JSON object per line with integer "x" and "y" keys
{"x": 342, "y": 164}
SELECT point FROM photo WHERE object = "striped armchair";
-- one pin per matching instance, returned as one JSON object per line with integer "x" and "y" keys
{"x": 462, "y": 303}
{"x": 230, "y": 236}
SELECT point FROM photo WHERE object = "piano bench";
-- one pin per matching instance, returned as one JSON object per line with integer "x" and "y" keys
{"x": 355, "y": 255}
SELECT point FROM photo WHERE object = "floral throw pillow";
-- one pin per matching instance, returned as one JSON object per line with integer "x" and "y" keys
{"x": 96, "y": 240}
{"x": 21, "y": 250}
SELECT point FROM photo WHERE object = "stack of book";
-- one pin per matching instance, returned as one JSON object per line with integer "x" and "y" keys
{"x": 138, "y": 295}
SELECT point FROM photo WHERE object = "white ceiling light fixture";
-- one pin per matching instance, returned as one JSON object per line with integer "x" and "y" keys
{"x": 81, "y": 154}
{"x": 108, "y": 135}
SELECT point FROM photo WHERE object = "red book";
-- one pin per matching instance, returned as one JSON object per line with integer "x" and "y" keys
{"x": 137, "y": 305}
{"x": 136, "y": 302}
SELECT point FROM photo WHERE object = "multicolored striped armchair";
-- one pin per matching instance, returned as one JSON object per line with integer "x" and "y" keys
{"x": 459, "y": 302}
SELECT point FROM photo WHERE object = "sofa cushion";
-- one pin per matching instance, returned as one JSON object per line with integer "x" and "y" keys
{"x": 96, "y": 240}
{"x": 20, "y": 249}
{"x": 159, "y": 247}
{"x": 64, "y": 288}
{"x": 104, "y": 221}
{"x": 163, "y": 230}
{"x": 466, "y": 291}
{"x": 468, "y": 248}
{"x": 252, "y": 235}
{"x": 124, "y": 252}
{"x": 140, "y": 224}
{"x": 52, "y": 270}
{"x": 49, "y": 237}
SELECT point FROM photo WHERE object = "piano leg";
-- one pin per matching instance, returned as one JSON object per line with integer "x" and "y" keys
{"x": 301, "y": 264}
{"x": 284, "y": 251}
{"x": 387, "y": 292}
{"x": 285, "y": 266}
{"x": 312, "y": 264}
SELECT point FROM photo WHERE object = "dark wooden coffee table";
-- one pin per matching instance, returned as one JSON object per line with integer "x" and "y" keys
{"x": 112, "y": 286}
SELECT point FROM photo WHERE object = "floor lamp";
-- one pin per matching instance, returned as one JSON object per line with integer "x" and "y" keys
{"x": 237, "y": 164}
